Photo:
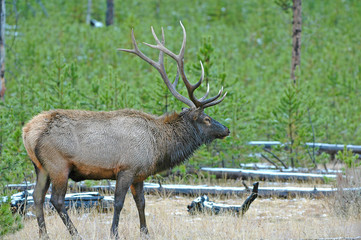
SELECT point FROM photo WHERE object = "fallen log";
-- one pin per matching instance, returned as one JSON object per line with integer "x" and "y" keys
{"x": 22, "y": 201}
{"x": 197, "y": 190}
{"x": 269, "y": 175}
{"x": 20, "y": 186}
{"x": 263, "y": 166}
{"x": 203, "y": 205}
{"x": 264, "y": 192}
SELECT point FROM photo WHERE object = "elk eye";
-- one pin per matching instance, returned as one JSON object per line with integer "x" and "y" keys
{"x": 207, "y": 120}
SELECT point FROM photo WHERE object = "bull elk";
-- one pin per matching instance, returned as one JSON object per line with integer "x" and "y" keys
{"x": 123, "y": 145}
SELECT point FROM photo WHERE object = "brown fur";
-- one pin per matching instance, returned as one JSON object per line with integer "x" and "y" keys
{"x": 169, "y": 118}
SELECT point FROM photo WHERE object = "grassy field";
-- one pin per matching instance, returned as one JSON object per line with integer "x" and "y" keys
{"x": 167, "y": 218}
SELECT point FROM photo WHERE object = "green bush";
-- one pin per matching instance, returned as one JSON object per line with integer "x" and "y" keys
{"x": 9, "y": 222}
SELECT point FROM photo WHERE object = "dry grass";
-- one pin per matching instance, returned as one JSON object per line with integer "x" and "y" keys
{"x": 168, "y": 219}
{"x": 346, "y": 203}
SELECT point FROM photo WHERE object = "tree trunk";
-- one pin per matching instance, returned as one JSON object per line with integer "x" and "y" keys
{"x": 110, "y": 13}
{"x": 2, "y": 50}
{"x": 88, "y": 12}
{"x": 296, "y": 38}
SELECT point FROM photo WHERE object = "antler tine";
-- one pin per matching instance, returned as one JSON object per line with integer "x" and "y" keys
{"x": 205, "y": 95}
{"x": 155, "y": 35}
{"x": 176, "y": 79}
{"x": 161, "y": 47}
{"x": 134, "y": 45}
{"x": 201, "y": 78}
{"x": 213, "y": 98}
{"x": 163, "y": 39}
{"x": 208, "y": 102}
{"x": 161, "y": 53}
{"x": 137, "y": 52}
{"x": 215, "y": 102}
{"x": 200, "y": 81}
{"x": 134, "y": 42}
{"x": 182, "y": 50}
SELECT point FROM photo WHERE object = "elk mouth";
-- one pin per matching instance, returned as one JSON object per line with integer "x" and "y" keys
{"x": 223, "y": 137}
{"x": 226, "y": 134}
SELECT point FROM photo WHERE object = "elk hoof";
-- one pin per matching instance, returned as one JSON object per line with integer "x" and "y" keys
{"x": 144, "y": 233}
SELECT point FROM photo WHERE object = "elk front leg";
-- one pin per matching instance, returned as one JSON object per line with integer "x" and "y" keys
{"x": 42, "y": 186}
{"x": 138, "y": 195}
{"x": 123, "y": 182}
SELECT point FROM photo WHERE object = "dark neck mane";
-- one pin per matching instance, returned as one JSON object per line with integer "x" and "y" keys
{"x": 181, "y": 139}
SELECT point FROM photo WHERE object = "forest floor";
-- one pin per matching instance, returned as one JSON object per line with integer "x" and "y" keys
{"x": 167, "y": 218}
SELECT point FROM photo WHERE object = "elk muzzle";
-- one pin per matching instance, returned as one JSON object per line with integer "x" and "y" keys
{"x": 221, "y": 131}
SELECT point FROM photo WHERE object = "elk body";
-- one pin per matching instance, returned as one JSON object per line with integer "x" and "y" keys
{"x": 124, "y": 145}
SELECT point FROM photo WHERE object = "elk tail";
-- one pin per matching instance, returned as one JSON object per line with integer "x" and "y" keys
{"x": 32, "y": 132}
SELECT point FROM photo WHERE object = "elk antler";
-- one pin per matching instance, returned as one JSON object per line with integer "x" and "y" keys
{"x": 192, "y": 101}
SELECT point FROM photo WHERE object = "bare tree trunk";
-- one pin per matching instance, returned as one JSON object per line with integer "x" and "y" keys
{"x": 43, "y": 8}
{"x": 88, "y": 12}
{"x": 110, "y": 13}
{"x": 296, "y": 38}
{"x": 2, "y": 50}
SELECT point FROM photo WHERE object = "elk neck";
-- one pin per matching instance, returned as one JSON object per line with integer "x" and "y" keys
{"x": 180, "y": 140}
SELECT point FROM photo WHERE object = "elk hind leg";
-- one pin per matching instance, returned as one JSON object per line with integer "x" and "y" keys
{"x": 60, "y": 183}
{"x": 41, "y": 187}
{"x": 138, "y": 195}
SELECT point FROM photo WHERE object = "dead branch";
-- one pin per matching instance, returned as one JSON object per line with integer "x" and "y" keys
{"x": 250, "y": 199}
{"x": 275, "y": 156}
{"x": 269, "y": 160}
